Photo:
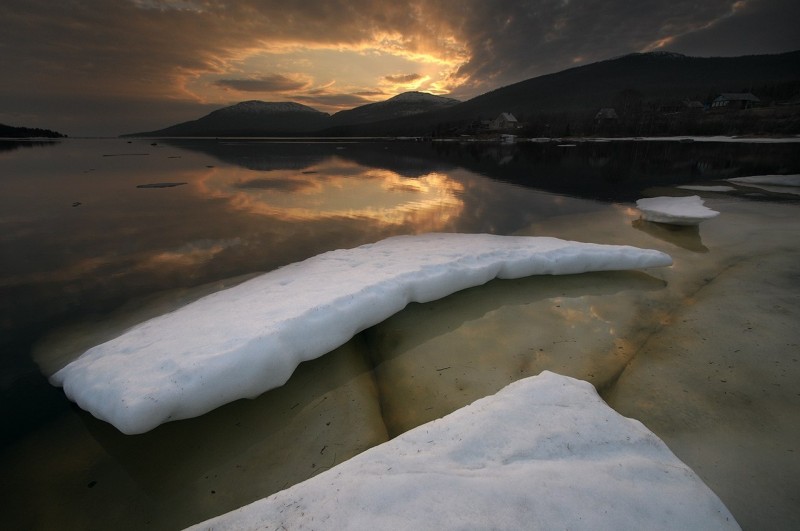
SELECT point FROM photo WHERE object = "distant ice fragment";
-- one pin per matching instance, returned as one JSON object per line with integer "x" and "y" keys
{"x": 675, "y": 210}
{"x": 243, "y": 341}
{"x": 544, "y": 453}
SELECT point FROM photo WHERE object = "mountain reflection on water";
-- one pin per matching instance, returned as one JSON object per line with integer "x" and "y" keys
{"x": 601, "y": 170}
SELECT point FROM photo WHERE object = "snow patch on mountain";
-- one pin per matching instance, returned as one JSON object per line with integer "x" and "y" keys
{"x": 421, "y": 97}
{"x": 264, "y": 107}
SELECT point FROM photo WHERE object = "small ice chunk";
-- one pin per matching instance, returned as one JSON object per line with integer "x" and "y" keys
{"x": 243, "y": 341}
{"x": 544, "y": 453}
{"x": 675, "y": 210}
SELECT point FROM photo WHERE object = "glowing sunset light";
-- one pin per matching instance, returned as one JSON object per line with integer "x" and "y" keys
{"x": 98, "y": 67}
{"x": 331, "y": 76}
{"x": 339, "y": 188}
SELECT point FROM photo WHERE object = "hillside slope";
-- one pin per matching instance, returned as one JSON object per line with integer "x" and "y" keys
{"x": 636, "y": 81}
{"x": 400, "y": 106}
{"x": 250, "y": 118}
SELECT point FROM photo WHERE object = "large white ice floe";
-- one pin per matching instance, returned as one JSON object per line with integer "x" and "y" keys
{"x": 544, "y": 453}
{"x": 245, "y": 340}
{"x": 675, "y": 210}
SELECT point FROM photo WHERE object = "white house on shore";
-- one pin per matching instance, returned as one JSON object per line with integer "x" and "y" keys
{"x": 606, "y": 115}
{"x": 505, "y": 120}
{"x": 739, "y": 100}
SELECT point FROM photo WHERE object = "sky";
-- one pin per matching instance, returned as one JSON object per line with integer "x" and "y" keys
{"x": 108, "y": 67}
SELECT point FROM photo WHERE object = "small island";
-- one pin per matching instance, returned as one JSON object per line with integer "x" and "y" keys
{"x": 8, "y": 131}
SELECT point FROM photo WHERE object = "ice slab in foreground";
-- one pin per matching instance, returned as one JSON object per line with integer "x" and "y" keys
{"x": 243, "y": 341}
{"x": 544, "y": 453}
{"x": 675, "y": 210}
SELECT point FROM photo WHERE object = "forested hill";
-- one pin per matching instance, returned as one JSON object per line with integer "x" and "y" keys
{"x": 8, "y": 131}
{"x": 656, "y": 76}
{"x": 638, "y": 86}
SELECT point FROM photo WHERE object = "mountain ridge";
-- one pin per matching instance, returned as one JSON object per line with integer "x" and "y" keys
{"x": 248, "y": 118}
{"x": 552, "y": 102}
{"x": 565, "y": 103}
{"x": 261, "y": 118}
{"x": 255, "y": 106}
{"x": 405, "y": 104}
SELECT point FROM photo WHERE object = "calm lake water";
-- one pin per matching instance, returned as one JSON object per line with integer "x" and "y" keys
{"x": 92, "y": 228}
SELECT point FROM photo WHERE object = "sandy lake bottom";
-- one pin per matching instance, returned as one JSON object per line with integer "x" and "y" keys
{"x": 704, "y": 353}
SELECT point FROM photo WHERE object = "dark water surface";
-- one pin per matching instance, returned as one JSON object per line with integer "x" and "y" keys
{"x": 93, "y": 227}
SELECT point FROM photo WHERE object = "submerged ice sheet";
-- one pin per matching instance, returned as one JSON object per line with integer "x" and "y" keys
{"x": 781, "y": 184}
{"x": 245, "y": 340}
{"x": 545, "y": 452}
{"x": 675, "y": 210}
{"x": 778, "y": 180}
{"x": 703, "y": 188}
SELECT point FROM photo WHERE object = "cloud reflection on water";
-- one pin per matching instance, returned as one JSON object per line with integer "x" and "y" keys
{"x": 337, "y": 187}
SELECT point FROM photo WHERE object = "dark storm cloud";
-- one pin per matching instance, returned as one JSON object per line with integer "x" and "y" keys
{"x": 758, "y": 27}
{"x": 530, "y": 38}
{"x": 403, "y": 78}
{"x": 272, "y": 83}
{"x": 524, "y": 39}
{"x": 331, "y": 99}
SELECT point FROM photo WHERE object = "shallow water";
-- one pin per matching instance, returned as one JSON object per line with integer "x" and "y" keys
{"x": 126, "y": 252}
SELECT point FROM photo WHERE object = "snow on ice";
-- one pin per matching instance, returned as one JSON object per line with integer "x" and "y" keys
{"x": 675, "y": 210}
{"x": 243, "y": 341}
{"x": 544, "y": 453}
